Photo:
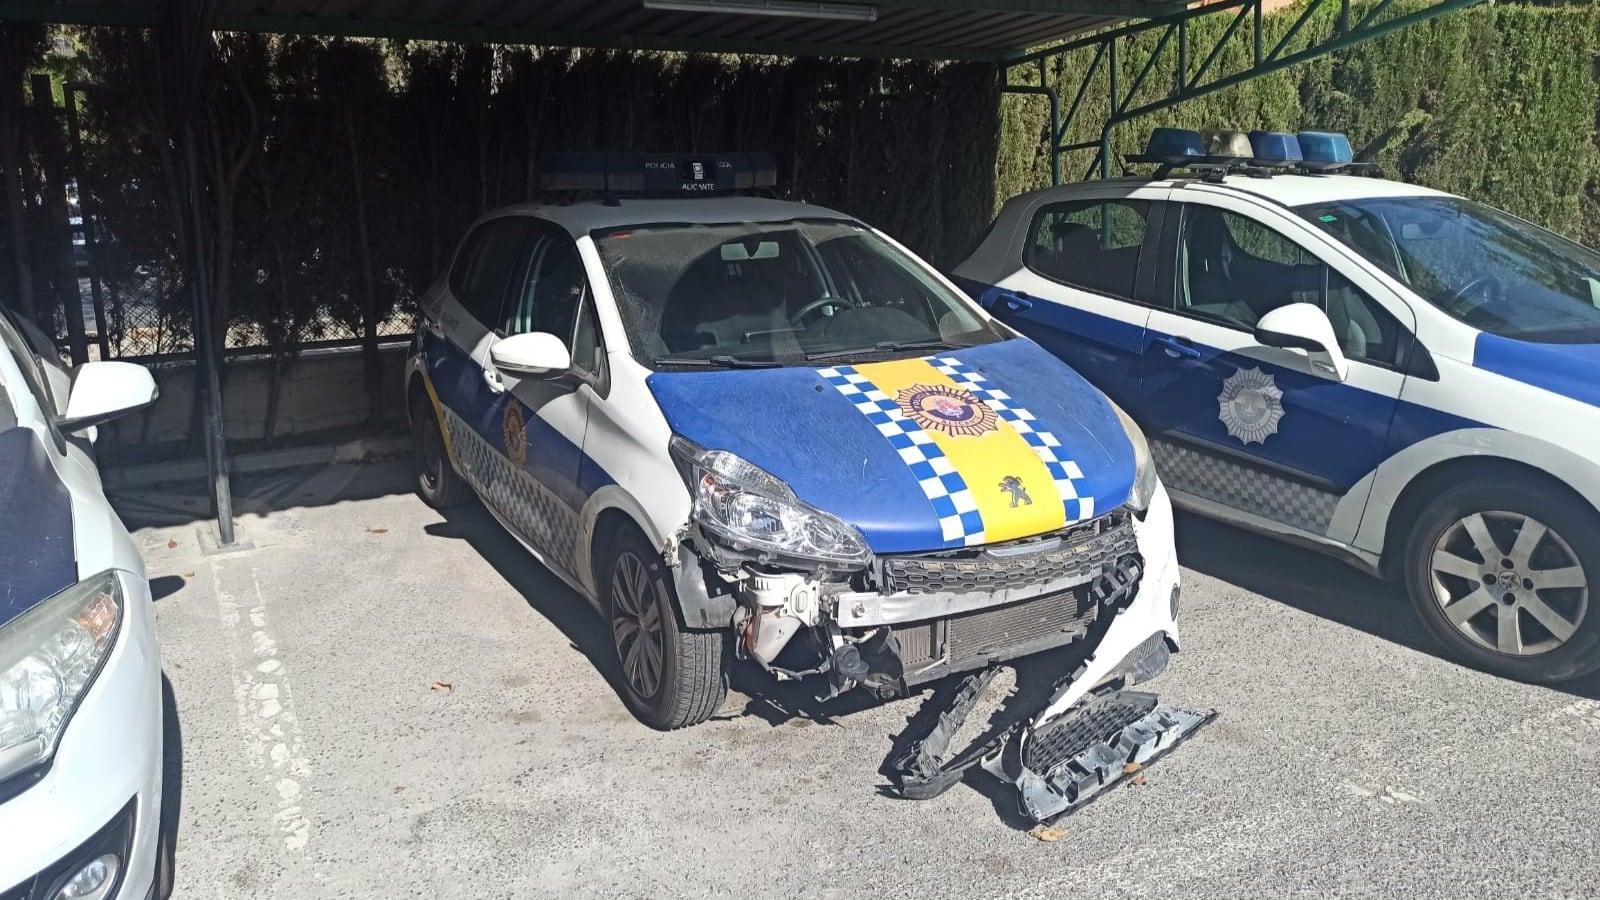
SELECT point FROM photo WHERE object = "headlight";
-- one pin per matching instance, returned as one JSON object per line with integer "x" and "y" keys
{"x": 754, "y": 513}
{"x": 49, "y": 656}
{"x": 1144, "y": 473}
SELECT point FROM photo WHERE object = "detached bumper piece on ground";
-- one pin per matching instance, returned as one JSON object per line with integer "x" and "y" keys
{"x": 1058, "y": 763}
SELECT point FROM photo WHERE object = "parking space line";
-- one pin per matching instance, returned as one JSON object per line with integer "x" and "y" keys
{"x": 266, "y": 707}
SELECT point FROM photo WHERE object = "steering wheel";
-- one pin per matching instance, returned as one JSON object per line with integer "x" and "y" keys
{"x": 1488, "y": 285}
{"x": 816, "y": 306}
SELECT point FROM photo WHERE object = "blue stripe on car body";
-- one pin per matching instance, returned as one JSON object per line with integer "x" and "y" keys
{"x": 37, "y": 556}
{"x": 1571, "y": 370}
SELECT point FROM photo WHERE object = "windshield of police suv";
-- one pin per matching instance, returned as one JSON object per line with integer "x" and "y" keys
{"x": 784, "y": 293}
{"x": 1486, "y": 268}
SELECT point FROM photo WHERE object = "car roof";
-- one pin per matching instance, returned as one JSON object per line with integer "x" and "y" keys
{"x": 1286, "y": 189}
{"x": 583, "y": 217}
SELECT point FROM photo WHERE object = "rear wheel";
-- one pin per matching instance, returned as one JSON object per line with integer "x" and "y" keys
{"x": 1501, "y": 573}
{"x": 437, "y": 482}
{"x": 671, "y": 677}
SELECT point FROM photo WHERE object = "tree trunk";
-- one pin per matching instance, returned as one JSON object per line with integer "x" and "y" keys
{"x": 370, "y": 363}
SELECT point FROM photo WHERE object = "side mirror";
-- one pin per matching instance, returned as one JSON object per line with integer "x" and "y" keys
{"x": 1304, "y": 326}
{"x": 103, "y": 391}
{"x": 536, "y": 354}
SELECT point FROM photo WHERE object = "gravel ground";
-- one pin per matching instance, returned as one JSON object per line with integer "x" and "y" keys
{"x": 373, "y": 699}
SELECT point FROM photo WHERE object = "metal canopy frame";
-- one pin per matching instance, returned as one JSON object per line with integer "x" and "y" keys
{"x": 1176, "y": 39}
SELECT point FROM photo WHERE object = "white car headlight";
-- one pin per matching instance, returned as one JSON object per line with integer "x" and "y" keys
{"x": 1144, "y": 477}
{"x": 753, "y": 513}
{"x": 49, "y": 656}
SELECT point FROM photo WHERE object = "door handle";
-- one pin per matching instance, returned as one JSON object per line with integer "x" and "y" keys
{"x": 1017, "y": 302}
{"x": 492, "y": 378}
{"x": 1178, "y": 347}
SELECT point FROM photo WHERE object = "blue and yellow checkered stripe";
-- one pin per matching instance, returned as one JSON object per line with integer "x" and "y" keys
{"x": 1065, "y": 472}
{"x": 953, "y": 503}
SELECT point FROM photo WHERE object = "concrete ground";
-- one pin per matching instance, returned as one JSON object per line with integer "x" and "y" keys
{"x": 375, "y": 700}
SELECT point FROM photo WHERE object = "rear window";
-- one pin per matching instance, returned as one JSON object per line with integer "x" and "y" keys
{"x": 1089, "y": 244}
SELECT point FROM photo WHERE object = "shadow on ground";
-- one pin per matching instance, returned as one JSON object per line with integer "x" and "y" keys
{"x": 1317, "y": 584}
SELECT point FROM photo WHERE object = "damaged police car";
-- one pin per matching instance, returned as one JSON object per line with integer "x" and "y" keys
{"x": 756, "y": 430}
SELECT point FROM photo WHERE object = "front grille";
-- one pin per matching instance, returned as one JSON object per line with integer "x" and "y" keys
{"x": 1100, "y": 722}
{"x": 1076, "y": 552}
{"x": 988, "y": 632}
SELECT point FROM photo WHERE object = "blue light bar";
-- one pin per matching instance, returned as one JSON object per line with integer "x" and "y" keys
{"x": 1175, "y": 146}
{"x": 1275, "y": 149}
{"x": 1324, "y": 151}
{"x": 656, "y": 173}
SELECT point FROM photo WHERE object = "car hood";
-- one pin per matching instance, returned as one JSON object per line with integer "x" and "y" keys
{"x": 1572, "y": 370}
{"x": 966, "y": 447}
{"x": 37, "y": 557}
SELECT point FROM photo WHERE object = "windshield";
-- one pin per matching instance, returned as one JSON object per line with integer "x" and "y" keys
{"x": 1488, "y": 269}
{"x": 781, "y": 293}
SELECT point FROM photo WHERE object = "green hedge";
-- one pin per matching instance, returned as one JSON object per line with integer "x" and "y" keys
{"x": 1497, "y": 103}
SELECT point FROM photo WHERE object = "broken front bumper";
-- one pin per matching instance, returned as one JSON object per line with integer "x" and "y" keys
{"x": 1090, "y": 729}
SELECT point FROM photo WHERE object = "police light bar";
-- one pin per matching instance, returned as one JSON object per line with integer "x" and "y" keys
{"x": 656, "y": 173}
{"x": 1274, "y": 149}
{"x": 1324, "y": 151}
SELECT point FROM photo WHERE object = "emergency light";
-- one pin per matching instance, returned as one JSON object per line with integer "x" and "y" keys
{"x": 1274, "y": 149}
{"x": 1324, "y": 151}
{"x": 1174, "y": 147}
{"x": 656, "y": 173}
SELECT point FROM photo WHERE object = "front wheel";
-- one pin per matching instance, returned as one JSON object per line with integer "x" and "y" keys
{"x": 671, "y": 677}
{"x": 1501, "y": 574}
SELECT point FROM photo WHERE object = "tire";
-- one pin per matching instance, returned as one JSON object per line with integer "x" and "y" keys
{"x": 1499, "y": 592}
{"x": 437, "y": 482}
{"x": 164, "y": 865}
{"x": 670, "y": 677}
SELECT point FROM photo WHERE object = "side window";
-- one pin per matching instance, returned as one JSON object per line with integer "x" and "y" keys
{"x": 1090, "y": 244}
{"x": 548, "y": 298}
{"x": 492, "y": 254}
{"x": 1234, "y": 270}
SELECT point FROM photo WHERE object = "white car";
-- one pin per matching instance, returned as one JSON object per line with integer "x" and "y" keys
{"x": 1403, "y": 378}
{"x": 758, "y": 430}
{"x": 80, "y": 678}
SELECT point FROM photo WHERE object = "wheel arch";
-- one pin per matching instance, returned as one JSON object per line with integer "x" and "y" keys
{"x": 1471, "y": 457}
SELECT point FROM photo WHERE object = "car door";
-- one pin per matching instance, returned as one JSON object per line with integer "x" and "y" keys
{"x": 537, "y": 424}
{"x": 1082, "y": 287}
{"x": 1264, "y": 430}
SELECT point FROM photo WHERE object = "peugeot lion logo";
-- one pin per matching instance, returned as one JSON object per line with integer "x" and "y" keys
{"x": 1019, "y": 494}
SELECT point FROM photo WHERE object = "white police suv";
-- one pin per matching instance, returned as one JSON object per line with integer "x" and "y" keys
{"x": 1401, "y": 377}
{"x": 80, "y": 679}
{"x": 756, "y": 429}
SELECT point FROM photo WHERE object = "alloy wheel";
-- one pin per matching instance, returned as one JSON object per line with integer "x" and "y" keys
{"x": 636, "y": 625}
{"x": 1509, "y": 583}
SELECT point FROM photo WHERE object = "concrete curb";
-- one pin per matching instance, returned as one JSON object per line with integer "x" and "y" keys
{"x": 365, "y": 450}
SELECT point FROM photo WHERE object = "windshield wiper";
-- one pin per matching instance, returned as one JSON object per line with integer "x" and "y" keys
{"x": 885, "y": 347}
{"x": 715, "y": 362}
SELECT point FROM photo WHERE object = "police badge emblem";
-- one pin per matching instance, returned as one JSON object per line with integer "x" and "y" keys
{"x": 1251, "y": 405}
{"x": 946, "y": 410}
{"x": 512, "y": 430}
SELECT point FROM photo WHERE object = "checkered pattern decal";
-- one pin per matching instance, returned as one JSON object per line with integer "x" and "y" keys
{"x": 539, "y": 516}
{"x": 952, "y": 501}
{"x": 1065, "y": 472}
{"x": 1241, "y": 487}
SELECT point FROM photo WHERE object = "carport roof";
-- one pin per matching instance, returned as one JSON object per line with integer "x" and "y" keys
{"x": 992, "y": 30}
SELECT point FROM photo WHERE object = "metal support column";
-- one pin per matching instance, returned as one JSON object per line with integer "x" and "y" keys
{"x": 188, "y": 32}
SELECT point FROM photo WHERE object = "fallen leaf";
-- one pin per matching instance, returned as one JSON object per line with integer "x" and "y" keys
{"x": 188, "y": 574}
{"x": 399, "y": 788}
{"x": 445, "y": 686}
{"x": 1131, "y": 768}
{"x": 377, "y": 531}
{"x": 172, "y": 543}
{"x": 1049, "y": 834}
{"x": 1137, "y": 780}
